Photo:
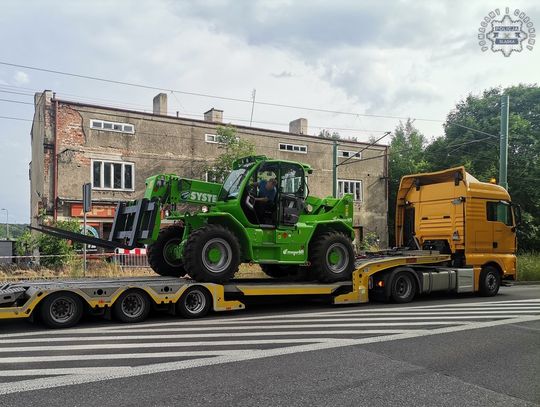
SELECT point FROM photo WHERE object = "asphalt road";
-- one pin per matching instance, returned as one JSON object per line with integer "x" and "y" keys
{"x": 446, "y": 350}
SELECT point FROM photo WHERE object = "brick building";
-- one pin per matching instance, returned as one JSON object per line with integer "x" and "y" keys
{"x": 117, "y": 149}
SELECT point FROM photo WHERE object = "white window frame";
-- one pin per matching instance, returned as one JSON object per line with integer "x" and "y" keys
{"x": 296, "y": 148}
{"x": 355, "y": 183}
{"x": 102, "y": 179}
{"x": 211, "y": 138}
{"x": 350, "y": 154}
{"x": 206, "y": 178}
{"x": 102, "y": 128}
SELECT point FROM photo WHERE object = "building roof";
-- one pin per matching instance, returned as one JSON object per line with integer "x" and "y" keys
{"x": 242, "y": 127}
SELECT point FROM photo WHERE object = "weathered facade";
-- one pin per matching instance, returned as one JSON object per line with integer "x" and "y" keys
{"x": 117, "y": 149}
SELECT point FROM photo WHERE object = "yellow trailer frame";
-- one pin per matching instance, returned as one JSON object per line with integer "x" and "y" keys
{"x": 101, "y": 294}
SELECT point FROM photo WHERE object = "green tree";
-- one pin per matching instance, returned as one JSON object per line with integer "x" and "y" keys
{"x": 233, "y": 147}
{"x": 324, "y": 133}
{"x": 406, "y": 156}
{"x": 479, "y": 152}
{"x": 61, "y": 251}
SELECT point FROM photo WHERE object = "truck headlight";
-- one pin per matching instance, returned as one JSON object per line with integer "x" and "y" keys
{"x": 204, "y": 209}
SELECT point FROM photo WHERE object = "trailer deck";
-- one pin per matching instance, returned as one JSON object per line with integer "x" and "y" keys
{"x": 22, "y": 299}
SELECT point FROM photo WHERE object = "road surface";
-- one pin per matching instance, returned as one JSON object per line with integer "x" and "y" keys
{"x": 445, "y": 350}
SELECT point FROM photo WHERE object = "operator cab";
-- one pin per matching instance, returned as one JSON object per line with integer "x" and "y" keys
{"x": 275, "y": 194}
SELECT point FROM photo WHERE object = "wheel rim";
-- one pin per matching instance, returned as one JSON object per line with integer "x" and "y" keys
{"x": 217, "y": 255}
{"x": 169, "y": 252}
{"x": 491, "y": 281}
{"x": 337, "y": 258}
{"x": 63, "y": 309}
{"x": 195, "y": 301}
{"x": 133, "y": 305}
{"x": 403, "y": 287}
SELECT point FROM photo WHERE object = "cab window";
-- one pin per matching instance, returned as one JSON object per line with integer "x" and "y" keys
{"x": 292, "y": 179}
{"x": 499, "y": 212}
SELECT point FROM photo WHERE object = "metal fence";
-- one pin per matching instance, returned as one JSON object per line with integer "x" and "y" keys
{"x": 131, "y": 258}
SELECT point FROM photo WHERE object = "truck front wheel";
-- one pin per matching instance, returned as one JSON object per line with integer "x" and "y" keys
{"x": 490, "y": 281}
{"x": 161, "y": 256}
{"x": 212, "y": 254}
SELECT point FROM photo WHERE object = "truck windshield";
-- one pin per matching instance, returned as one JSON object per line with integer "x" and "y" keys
{"x": 231, "y": 186}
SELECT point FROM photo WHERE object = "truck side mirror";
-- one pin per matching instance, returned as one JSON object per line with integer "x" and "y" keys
{"x": 517, "y": 214}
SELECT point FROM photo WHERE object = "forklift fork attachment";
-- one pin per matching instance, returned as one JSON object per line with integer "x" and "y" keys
{"x": 132, "y": 223}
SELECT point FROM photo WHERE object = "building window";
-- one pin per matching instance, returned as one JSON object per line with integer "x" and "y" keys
{"x": 348, "y": 154}
{"x": 111, "y": 175}
{"x": 111, "y": 126}
{"x": 293, "y": 148}
{"x": 212, "y": 138}
{"x": 350, "y": 187}
{"x": 213, "y": 176}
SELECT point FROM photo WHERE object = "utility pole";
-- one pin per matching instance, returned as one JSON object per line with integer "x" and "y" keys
{"x": 503, "y": 164}
{"x": 252, "y": 105}
{"x": 334, "y": 169}
{"x": 7, "y": 223}
{"x": 87, "y": 207}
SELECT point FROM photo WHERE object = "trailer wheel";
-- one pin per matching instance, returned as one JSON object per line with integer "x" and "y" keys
{"x": 132, "y": 306}
{"x": 194, "y": 303}
{"x": 61, "y": 310}
{"x": 212, "y": 254}
{"x": 403, "y": 287}
{"x": 332, "y": 257}
{"x": 490, "y": 281}
{"x": 160, "y": 254}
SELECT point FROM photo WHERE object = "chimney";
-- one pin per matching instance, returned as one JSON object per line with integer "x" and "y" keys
{"x": 160, "y": 104}
{"x": 214, "y": 115}
{"x": 298, "y": 126}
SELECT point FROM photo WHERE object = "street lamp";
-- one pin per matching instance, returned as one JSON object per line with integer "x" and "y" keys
{"x": 7, "y": 222}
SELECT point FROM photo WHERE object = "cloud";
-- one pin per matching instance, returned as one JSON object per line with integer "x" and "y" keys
{"x": 283, "y": 74}
{"x": 21, "y": 78}
{"x": 400, "y": 58}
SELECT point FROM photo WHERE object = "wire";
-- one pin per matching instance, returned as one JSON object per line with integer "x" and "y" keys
{"x": 195, "y": 115}
{"x": 138, "y": 85}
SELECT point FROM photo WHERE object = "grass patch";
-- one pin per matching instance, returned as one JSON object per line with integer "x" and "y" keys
{"x": 528, "y": 266}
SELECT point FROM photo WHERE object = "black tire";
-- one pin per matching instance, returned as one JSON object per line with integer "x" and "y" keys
{"x": 157, "y": 254}
{"x": 279, "y": 271}
{"x": 132, "y": 306}
{"x": 490, "y": 281}
{"x": 61, "y": 310}
{"x": 195, "y": 302}
{"x": 212, "y": 254}
{"x": 402, "y": 287}
{"x": 331, "y": 257}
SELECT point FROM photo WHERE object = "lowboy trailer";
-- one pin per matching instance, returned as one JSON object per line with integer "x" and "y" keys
{"x": 396, "y": 276}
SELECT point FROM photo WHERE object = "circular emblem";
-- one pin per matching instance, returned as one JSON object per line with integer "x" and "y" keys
{"x": 506, "y": 33}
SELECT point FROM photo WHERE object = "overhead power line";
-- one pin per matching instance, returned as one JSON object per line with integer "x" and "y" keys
{"x": 251, "y": 101}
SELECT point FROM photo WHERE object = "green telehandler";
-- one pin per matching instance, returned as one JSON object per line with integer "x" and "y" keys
{"x": 261, "y": 214}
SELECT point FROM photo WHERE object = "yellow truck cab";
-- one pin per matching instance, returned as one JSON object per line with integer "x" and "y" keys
{"x": 454, "y": 213}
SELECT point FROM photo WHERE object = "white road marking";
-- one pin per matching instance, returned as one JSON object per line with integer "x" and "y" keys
{"x": 43, "y": 383}
{"x": 185, "y": 336}
{"x": 60, "y": 371}
{"x": 358, "y": 310}
{"x": 144, "y": 355}
{"x": 169, "y": 326}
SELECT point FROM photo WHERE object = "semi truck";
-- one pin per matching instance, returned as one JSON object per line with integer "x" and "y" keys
{"x": 454, "y": 233}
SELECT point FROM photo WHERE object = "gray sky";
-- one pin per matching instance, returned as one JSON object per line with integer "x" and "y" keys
{"x": 399, "y": 58}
